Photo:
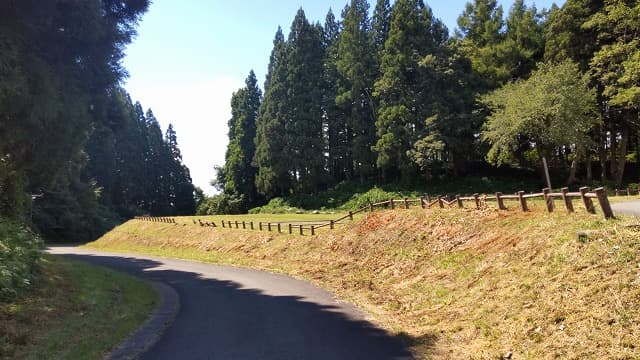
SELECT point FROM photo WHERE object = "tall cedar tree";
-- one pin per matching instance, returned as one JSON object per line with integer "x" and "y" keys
{"x": 302, "y": 108}
{"x": 335, "y": 119}
{"x": 239, "y": 174}
{"x": 356, "y": 64}
{"x": 271, "y": 160}
{"x": 57, "y": 61}
{"x": 380, "y": 25}
{"x": 615, "y": 67}
{"x": 401, "y": 88}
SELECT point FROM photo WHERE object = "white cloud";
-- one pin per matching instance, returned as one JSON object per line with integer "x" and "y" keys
{"x": 199, "y": 113}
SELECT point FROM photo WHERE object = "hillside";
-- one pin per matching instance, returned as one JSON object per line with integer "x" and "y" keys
{"x": 454, "y": 283}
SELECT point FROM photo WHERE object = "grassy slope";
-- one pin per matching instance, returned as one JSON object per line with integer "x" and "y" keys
{"x": 74, "y": 311}
{"x": 456, "y": 283}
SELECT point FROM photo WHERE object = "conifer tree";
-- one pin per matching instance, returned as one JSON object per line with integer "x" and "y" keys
{"x": 356, "y": 64}
{"x": 303, "y": 106}
{"x": 334, "y": 117}
{"x": 401, "y": 88}
{"x": 239, "y": 173}
{"x": 271, "y": 160}
{"x": 381, "y": 24}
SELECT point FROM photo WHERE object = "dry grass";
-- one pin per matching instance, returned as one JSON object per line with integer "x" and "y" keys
{"x": 455, "y": 283}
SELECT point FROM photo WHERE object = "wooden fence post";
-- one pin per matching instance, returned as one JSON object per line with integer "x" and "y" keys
{"x": 477, "y": 199}
{"x": 523, "y": 201}
{"x": 223, "y": 223}
{"x": 350, "y": 215}
{"x": 548, "y": 199}
{"x": 269, "y": 226}
{"x": 392, "y": 203}
{"x": 604, "y": 203}
{"x": 628, "y": 192}
{"x": 290, "y": 229}
{"x": 371, "y": 207}
{"x": 237, "y": 224}
{"x": 441, "y": 202}
{"x": 301, "y": 230}
{"x": 500, "y": 201}
{"x": 331, "y": 224}
{"x": 260, "y": 225}
{"x": 229, "y": 224}
{"x": 567, "y": 199}
{"x": 251, "y": 225}
{"x": 428, "y": 198}
{"x": 460, "y": 205}
{"x": 279, "y": 228}
{"x": 422, "y": 202}
{"x": 406, "y": 203}
{"x": 313, "y": 230}
{"x": 588, "y": 204}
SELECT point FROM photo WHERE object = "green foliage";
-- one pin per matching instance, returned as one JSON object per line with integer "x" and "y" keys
{"x": 238, "y": 174}
{"x": 356, "y": 64}
{"x": 272, "y": 176}
{"x": 20, "y": 250}
{"x": 553, "y": 108}
{"x": 221, "y": 204}
{"x": 402, "y": 88}
{"x": 617, "y": 61}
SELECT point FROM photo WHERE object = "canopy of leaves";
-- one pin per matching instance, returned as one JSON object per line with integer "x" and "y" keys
{"x": 552, "y": 108}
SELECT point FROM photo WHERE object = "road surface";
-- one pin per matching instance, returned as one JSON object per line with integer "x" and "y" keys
{"x": 627, "y": 208}
{"x": 231, "y": 313}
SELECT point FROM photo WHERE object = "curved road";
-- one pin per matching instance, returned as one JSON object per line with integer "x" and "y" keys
{"x": 232, "y": 313}
{"x": 627, "y": 208}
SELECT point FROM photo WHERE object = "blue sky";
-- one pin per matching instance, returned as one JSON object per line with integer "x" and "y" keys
{"x": 191, "y": 55}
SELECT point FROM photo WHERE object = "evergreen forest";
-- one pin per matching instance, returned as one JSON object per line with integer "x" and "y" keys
{"x": 77, "y": 155}
{"x": 389, "y": 95}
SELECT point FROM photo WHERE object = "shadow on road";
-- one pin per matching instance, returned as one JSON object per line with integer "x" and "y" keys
{"x": 220, "y": 319}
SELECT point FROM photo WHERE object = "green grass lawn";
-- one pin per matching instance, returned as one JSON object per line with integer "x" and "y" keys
{"x": 73, "y": 311}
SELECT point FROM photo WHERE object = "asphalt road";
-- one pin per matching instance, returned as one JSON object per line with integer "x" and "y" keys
{"x": 627, "y": 208}
{"x": 231, "y": 313}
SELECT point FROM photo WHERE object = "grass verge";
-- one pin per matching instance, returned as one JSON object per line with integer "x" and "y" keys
{"x": 73, "y": 311}
{"x": 454, "y": 283}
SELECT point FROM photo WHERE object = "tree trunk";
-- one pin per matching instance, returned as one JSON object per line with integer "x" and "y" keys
{"x": 589, "y": 169}
{"x": 613, "y": 158}
{"x": 572, "y": 172}
{"x": 602, "y": 153}
{"x": 624, "y": 142}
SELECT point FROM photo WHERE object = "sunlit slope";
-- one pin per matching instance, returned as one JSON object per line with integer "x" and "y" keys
{"x": 456, "y": 283}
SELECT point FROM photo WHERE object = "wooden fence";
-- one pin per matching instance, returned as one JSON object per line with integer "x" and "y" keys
{"x": 585, "y": 197}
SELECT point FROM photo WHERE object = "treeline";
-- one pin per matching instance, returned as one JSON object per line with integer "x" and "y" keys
{"x": 76, "y": 155}
{"x": 395, "y": 97}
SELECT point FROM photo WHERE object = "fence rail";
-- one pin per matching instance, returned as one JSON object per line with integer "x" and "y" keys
{"x": 303, "y": 227}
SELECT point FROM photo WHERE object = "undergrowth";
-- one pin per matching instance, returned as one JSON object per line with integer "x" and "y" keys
{"x": 20, "y": 249}
{"x": 355, "y": 195}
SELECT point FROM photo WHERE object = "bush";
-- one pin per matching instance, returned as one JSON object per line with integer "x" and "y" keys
{"x": 275, "y": 206}
{"x": 223, "y": 204}
{"x": 20, "y": 249}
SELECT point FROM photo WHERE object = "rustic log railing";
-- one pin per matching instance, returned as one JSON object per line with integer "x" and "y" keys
{"x": 477, "y": 201}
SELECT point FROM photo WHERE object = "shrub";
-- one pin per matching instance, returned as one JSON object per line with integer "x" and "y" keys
{"x": 20, "y": 249}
